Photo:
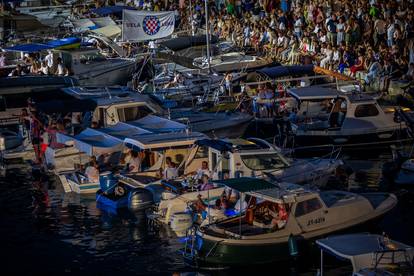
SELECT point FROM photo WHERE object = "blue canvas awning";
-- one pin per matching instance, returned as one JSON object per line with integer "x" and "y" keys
{"x": 157, "y": 124}
{"x": 29, "y": 48}
{"x": 92, "y": 142}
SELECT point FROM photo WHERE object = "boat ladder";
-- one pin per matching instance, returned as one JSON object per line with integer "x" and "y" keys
{"x": 189, "y": 252}
{"x": 382, "y": 258}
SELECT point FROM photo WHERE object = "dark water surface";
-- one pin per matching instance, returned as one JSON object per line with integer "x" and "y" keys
{"x": 45, "y": 232}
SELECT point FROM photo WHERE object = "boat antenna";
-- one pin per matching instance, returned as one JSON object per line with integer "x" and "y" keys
{"x": 107, "y": 91}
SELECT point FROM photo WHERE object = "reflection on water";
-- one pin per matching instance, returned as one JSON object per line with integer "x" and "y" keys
{"x": 46, "y": 231}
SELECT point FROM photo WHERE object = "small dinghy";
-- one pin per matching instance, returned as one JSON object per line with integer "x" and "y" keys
{"x": 115, "y": 194}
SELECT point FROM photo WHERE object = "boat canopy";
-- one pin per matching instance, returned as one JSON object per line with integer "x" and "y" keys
{"x": 313, "y": 93}
{"x": 161, "y": 141}
{"x": 29, "y": 48}
{"x": 157, "y": 124}
{"x": 184, "y": 42}
{"x": 123, "y": 130}
{"x": 246, "y": 184}
{"x": 283, "y": 71}
{"x": 110, "y": 31}
{"x": 359, "y": 248}
{"x": 280, "y": 193}
{"x": 37, "y": 47}
{"x": 103, "y": 21}
{"x": 92, "y": 142}
{"x": 219, "y": 145}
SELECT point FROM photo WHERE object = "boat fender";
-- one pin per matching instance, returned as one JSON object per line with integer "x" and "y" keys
{"x": 293, "y": 246}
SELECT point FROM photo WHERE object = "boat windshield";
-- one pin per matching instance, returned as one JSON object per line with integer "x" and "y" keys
{"x": 268, "y": 161}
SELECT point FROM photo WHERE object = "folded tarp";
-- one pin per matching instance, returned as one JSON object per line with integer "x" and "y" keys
{"x": 110, "y": 31}
{"x": 157, "y": 124}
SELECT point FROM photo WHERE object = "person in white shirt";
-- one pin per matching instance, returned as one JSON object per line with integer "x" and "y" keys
{"x": 44, "y": 69}
{"x": 92, "y": 172}
{"x": 135, "y": 163}
{"x": 49, "y": 59}
{"x": 2, "y": 60}
{"x": 170, "y": 171}
{"x": 61, "y": 69}
{"x": 203, "y": 171}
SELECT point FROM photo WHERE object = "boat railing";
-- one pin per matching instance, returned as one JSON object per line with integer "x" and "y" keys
{"x": 388, "y": 257}
{"x": 9, "y": 121}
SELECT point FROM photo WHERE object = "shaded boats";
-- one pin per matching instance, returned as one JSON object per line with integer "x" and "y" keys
{"x": 369, "y": 254}
{"x": 255, "y": 238}
{"x": 120, "y": 104}
{"x": 235, "y": 158}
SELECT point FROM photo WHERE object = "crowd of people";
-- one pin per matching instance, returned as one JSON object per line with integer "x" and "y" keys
{"x": 374, "y": 36}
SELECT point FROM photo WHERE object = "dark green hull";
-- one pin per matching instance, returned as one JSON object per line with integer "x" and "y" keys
{"x": 210, "y": 255}
{"x": 223, "y": 256}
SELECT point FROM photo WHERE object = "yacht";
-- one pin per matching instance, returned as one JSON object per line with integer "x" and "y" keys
{"x": 346, "y": 119}
{"x": 275, "y": 214}
{"x": 369, "y": 254}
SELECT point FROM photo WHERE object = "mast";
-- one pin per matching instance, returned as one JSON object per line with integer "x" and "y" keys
{"x": 207, "y": 35}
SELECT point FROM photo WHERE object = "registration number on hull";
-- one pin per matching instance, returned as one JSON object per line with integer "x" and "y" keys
{"x": 315, "y": 221}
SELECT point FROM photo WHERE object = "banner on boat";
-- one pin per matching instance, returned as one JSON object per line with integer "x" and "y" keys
{"x": 144, "y": 25}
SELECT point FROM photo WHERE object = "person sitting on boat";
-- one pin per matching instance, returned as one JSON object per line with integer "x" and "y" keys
{"x": 170, "y": 171}
{"x": 2, "y": 60}
{"x": 61, "y": 70}
{"x": 334, "y": 117}
{"x": 92, "y": 171}
{"x": 44, "y": 69}
{"x": 134, "y": 165}
{"x": 279, "y": 216}
{"x": 206, "y": 184}
{"x": 199, "y": 206}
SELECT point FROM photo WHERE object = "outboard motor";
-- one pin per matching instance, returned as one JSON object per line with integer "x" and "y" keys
{"x": 107, "y": 182}
{"x": 140, "y": 199}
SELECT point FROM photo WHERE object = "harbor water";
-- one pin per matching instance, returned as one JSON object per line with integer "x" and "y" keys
{"x": 50, "y": 232}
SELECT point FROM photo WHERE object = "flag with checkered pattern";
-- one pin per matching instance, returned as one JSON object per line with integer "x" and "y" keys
{"x": 145, "y": 25}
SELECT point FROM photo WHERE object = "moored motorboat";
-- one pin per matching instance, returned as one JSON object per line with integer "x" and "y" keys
{"x": 351, "y": 120}
{"x": 275, "y": 215}
{"x": 369, "y": 254}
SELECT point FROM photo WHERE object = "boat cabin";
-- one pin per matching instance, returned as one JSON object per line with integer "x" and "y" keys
{"x": 288, "y": 208}
{"x": 237, "y": 157}
{"x": 115, "y": 104}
